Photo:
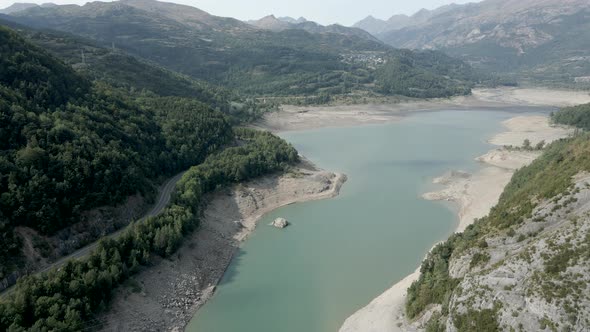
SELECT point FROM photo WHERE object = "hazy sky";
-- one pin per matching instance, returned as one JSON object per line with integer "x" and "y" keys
{"x": 344, "y": 12}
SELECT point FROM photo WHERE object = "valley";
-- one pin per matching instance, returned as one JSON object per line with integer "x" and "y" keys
{"x": 147, "y": 148}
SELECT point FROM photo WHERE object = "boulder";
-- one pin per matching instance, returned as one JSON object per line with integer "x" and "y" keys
{"x": 280, "y": 223}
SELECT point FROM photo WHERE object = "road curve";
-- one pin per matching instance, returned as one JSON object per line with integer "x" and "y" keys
{"x": 164, "y": 195}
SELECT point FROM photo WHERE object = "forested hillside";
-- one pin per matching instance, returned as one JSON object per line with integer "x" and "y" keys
{"x": 69, "y": 145}
{"x": 577, "y": 116}
{"x": 253, "y": 61}
{"x": 138, "y": 77}
{"x": 68, "y": 298}
{"x": 425, "y": 74}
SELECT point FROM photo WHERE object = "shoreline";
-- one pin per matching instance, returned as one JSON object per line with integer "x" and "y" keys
{"x": 297, "y": 118}
{"x": 166, "y": 295}
{"x": 473, "y": 195}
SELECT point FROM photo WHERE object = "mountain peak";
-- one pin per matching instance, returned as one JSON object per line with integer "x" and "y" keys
{"x": 18, "y": 7}
{"x": 270, "y": 22}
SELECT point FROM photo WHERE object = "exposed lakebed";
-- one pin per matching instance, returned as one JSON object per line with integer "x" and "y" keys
{"x": 339, "y": 254}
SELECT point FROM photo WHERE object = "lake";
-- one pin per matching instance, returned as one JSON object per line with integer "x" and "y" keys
{"x": 341, "y": 253}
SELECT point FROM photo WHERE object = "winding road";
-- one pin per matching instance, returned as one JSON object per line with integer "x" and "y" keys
{"x": 164, "y": 195}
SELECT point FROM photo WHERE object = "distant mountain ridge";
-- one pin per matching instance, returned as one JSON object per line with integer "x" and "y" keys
{"x": 543, "y": 41}
{"x": 289, "y": 19}
{"x": 20, "y": 6}
{"x": 273, "y": 23}
{"x": 296, "y": 59}
{"x": 378, "y": 27}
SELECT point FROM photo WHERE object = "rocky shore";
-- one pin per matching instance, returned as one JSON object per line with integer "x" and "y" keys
{"x": 165, "y": 296}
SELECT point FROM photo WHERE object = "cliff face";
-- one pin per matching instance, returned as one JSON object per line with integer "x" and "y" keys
{"x": 526, "y": 266}
{"x": 543, "y": 41}
{"x": 533, "y": 278}
{"x": 509, "y": 23}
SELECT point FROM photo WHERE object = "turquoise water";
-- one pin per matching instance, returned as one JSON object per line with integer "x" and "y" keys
{"x": 341, "y": 253}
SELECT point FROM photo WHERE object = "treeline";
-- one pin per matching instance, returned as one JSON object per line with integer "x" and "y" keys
{"x": 425, "y": 74}
{"x": 67, "y": 299}
{"x": 545, "y": 178}
{"x": 576, "y": 116}
{"x": 68, "y": 145}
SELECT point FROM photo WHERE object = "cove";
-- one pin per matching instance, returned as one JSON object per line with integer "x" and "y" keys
{"x": 341, "y": 253}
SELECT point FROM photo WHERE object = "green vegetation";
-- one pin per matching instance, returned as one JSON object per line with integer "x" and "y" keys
{"x": 256, "y": 62}
{"x": 67, "y": 298}
{"x": 425, "y": 74}
{"x": 68, "y": 146}
{"x": 434, "y": 285}
{"x": 577, "y": 116}
{"x": 481, "y": 321}
{"x": 434, "y": 324}
{"x": 550, "y": 175}
{"x": 479, "y": 258}
{"x": 138, "y": 78}
{"x": 546, "y": 178}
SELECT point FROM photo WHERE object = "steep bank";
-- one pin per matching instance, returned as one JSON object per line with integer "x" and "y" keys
{"x": 166, "y": 295}
{"x": 475, "y": 195}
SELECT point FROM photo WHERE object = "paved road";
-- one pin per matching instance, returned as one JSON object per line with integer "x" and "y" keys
{"x": 162, "y": 201}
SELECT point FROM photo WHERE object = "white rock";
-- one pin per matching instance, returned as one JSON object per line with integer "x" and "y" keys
{"x": 280, "y": 223}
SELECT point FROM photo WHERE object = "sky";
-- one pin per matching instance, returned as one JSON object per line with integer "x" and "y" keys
{"x": 345, "y": 12}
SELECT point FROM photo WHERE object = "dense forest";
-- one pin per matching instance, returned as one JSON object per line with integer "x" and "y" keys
{"x": 138, "y": 78}
{"x": 66, "y": 299}
{"x": 546, "y": 178}
{"x": 425, "y": 74}
{"x": 69, "y": 145}
{"x": 577, "y": 116}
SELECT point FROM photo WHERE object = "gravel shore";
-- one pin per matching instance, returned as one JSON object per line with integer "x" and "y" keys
{"x": 166, "y": 295}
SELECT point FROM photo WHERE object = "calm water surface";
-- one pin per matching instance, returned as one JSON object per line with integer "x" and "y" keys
{"x": 339, "y": 254}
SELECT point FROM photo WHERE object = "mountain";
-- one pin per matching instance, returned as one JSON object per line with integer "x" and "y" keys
{"x": 378, "y": 27}
{"x": 69, "y": 145}
{"x": 270, "y": 22}
{"x": 541, "y": 41}
{"x": 189, "y": 41}
{"x": 372, "y": 25}
{"x": 137, "y": 76}
{"x": 17, "y": 7}
{"x": 292, "y": 20}
{"x": 307, "y": 60}
{"x": 277, "y": 24}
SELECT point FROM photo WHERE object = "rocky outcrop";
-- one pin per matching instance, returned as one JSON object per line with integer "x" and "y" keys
{"x": 280, "y": 223}
{"x": 537, "y": 274}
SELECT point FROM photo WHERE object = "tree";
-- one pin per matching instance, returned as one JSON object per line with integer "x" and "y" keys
{"x": 526, "y": 144}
